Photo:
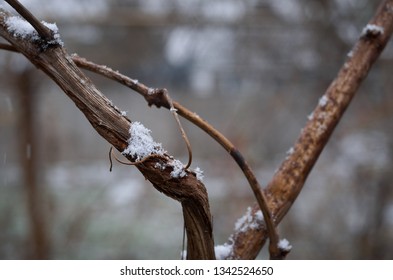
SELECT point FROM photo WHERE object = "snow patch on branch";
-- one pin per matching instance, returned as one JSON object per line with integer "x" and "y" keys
{"x": 141, "y": 143}
{"x": 178, "y": 169}
{"x": 310, "y": 117}
{"x": 290, "y": 151}
{"x": 223, "y": 251}
{"x": 284, "y": 245}
{"x": 199, "y": 174}
{"x": 249, "y": 221}
{"x": 323, "y": 101}
{"x": 372, "y": 29}
{"x": 21, "y": 28}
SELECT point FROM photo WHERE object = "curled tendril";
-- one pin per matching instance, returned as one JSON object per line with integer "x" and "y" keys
{"x": 111, "y": 153}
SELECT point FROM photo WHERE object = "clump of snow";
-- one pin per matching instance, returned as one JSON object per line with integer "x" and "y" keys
{"x": 23, "y": 29}
{"x": 284, "y": 245}
{"x": 199, "y": 174}
{"x": 258, "y": 216}
{"x": 352, "y": 51}
{"x": 20, "y": 27}
{"x": 290, "y": 151}
{"x": 178, "y": 169}
{"x": 160, "y": 166}
{"x": 150, "y": 91}
{"x": 55, "y": 30}
{"x": 323, "y": 101}
{"x": 223, "y": 251}
{"x": 141, "y": 143}
{"x": 372, "y": 29}
{"x": 249, "y": 221}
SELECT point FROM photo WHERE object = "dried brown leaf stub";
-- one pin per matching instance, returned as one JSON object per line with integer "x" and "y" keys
{"x": 158, "y": 98}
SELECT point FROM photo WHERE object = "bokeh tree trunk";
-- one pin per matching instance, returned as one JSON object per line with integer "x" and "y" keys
{"x": 29, "y": 158}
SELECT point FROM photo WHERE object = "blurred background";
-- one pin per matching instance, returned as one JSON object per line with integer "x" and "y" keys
{"x": 254, "y": 69}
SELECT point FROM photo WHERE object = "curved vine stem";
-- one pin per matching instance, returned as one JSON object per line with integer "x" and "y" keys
{"x": 111, "y": 153}
{"x": 160, "y": 98}
{"x": 173, "y": 110}
{"x": 108, "y": 121}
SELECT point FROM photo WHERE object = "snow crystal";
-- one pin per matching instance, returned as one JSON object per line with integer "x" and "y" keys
{"x": 123, "y": 113}
{"x": 160, "y": 166}
{"x": 249, "y": 221}
{"x": 290, "y": 151}
{"x": 323, "y": 101}
{"x": 178, "y": 169}
{"x": 199, "y": 174}
{"x": 23, "y": 29}
{"x": 140, "y": 143}
{"x": 150, "y": 91}
{"x": 352, "y": 51}
{"x": 259, "y": 215}
{"x": 311, "y": 116}
{"x": 372, "y": 29}
{"x": 223, "y": 251}
{"x": 20, "y": 28}
{"x": 284, "y": 244}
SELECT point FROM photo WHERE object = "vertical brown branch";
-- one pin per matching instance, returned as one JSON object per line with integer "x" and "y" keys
{"x": 38, "y": 238}
{"x": 290, "y": 177}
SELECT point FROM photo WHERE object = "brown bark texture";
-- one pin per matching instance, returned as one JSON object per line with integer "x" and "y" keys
{"x": 289, "y": 179}
{"x": 112, "y": 126}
